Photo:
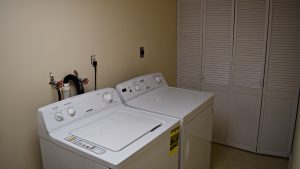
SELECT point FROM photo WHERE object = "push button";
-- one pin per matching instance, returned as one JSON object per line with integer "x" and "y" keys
{"x": 98, "y": 150}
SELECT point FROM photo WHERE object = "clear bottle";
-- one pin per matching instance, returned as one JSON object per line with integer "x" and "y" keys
{"x": 66, "y": 91}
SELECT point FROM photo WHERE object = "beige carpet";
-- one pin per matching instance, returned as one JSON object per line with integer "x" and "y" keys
{"x": 223, "y": 157}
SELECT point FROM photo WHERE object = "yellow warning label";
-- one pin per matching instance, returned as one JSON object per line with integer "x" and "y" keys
{"x": 174, "y": 141}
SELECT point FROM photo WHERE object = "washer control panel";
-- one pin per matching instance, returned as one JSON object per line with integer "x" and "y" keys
{"x": 86, "y": 145}
{"x": 140, "y": 85}
{"x": 63, "y": 112}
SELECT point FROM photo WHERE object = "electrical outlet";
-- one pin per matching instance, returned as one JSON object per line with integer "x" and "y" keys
{"x": 93, "y": 58}
{"x": 142, "y": 52}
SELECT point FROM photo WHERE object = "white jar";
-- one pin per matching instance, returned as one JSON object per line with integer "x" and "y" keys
{"x": 66, "y": 91}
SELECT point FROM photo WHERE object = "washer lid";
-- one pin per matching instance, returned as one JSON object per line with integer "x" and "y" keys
{"x": 116, "y": 130}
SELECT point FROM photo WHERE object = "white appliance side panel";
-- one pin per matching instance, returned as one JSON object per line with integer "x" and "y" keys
{"x": 197, "y": 141}
{"x": 55, "y": 157}
{"x": 117, "y": 130}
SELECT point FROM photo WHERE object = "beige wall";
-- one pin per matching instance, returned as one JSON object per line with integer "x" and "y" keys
{"x": 42, "y": 36}
{"x": 295, "y": 163}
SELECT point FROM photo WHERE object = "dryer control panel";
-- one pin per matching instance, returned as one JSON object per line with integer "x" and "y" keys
{"x": 140, "y": 85}
{"x": 66, "y": 111}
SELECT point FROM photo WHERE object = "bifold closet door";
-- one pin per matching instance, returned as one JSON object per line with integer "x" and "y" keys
{"x": 282, "y": 79}
{"x": 250, "y": 39}
{"x": 217, "y": 61}
{"x": 247, "y": 52}
{"x": 189, "y": 43}
{"x": 235, "y": 36}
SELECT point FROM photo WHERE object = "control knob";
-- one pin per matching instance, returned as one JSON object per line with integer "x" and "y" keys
{"x": 71, "y": 112}
{"x": 58, "y": 116}
{"x": 157, "y": 79}
{"x": 107, "y": 97}
{"x": 137, "y": 87}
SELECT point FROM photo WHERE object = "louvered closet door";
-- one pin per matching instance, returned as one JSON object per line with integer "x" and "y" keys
{"x": 282, "y": 79}
{"x": 217, "y": 61}
{"x": 250, "y": 32}
{"x": 189, "y": 43}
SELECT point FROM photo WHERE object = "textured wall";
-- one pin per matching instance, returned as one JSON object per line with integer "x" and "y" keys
{"x": 42, "y": 36}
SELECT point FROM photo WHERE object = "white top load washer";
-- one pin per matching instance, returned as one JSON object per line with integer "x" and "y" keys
{"x": 96, "y": 131}
{"x": 194, "y": 109}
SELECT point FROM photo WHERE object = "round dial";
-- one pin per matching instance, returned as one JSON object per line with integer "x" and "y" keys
{"x": 157, "y": 79}
{"x": 107, "y": 97}
{"x": 137, "y": 87}
{"x": 58, "y": 116}
{"x": 71, "y": 111}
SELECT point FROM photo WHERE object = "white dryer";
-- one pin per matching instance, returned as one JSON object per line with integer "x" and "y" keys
{"x": 96, "y": 131}
{"x": 194, "y": 109}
